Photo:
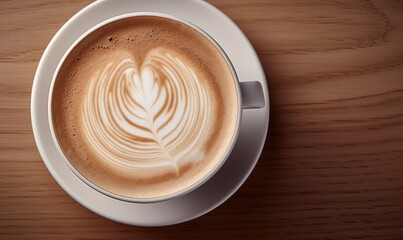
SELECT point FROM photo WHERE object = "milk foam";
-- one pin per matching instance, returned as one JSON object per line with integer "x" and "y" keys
{"x": 147, "y": 117}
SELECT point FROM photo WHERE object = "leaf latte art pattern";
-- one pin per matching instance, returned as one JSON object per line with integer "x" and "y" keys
{"x": 142, "y": 118}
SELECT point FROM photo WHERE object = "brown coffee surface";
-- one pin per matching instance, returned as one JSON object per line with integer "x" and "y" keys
{"x": 144, "y": 107}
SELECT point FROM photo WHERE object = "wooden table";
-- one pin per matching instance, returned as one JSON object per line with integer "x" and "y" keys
{"x": 332, "y": 167}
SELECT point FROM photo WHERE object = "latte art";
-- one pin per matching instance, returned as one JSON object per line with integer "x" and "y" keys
{"x": 147, "y": 117}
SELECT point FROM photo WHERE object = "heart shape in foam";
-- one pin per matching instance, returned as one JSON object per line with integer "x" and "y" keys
{"x": 146, "y": 117}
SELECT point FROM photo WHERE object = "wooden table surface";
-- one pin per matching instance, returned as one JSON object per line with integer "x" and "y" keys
{"x": 332, "y": 167}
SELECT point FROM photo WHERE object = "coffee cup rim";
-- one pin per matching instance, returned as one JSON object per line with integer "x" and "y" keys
{"x": 197, "y": 184}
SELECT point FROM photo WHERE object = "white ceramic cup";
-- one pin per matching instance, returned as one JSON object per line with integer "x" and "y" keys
{"x": 250, "y": 95}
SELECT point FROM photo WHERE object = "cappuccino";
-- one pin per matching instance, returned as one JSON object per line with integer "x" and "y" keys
{"x": 145, "y": 107}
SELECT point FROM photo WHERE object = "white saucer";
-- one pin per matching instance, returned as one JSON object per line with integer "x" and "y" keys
{"x": 224, "y": 183}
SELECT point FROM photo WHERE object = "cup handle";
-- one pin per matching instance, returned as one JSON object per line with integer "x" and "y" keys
{"x": 252, "y": 95}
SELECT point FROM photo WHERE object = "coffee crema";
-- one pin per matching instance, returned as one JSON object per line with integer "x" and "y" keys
{"x": 145, "y": 107}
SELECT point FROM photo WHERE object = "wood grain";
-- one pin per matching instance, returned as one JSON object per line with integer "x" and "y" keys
{"x": 332, "y": 167}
